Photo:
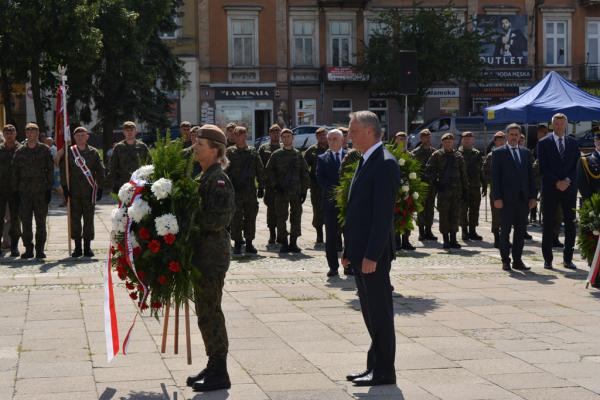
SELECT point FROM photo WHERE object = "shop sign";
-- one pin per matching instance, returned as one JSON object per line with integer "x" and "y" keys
{"x": 443, "y": 92}
{"x": 245, "y": 93}
{"x": 508, "y": 74}
{"x": 494, "y": 92}
{"x": 338, "y": 74}
{"x": 508, "y": 45}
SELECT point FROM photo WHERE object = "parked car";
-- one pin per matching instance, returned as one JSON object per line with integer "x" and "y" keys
{"x": 304, "y": 136}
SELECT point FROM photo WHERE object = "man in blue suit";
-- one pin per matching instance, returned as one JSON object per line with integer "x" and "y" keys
{"x": 328, "y": 177}
{"x": 557, "y": 156}
{"x": 514, "y": 193}
{"x": 369, "y": 236}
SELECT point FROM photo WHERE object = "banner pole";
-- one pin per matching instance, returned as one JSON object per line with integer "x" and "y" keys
{"x": 67, "y": 137}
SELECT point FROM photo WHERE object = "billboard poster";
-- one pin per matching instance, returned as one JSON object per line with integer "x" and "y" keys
{"x": 508, "y": 45}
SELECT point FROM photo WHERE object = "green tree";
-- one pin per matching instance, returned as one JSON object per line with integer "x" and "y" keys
{"x": 447, "y": 50}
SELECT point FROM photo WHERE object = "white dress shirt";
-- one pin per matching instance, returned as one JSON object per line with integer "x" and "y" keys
{"x": 370, "y": 151}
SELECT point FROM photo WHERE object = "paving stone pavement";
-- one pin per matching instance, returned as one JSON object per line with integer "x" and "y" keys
{"x": 464, "y": 328}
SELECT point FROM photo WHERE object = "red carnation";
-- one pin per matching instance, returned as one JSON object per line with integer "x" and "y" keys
{"x": 140, "y": 287}
{"x": 122, "y": 261}
{"x": 137, "y": 251}
{"x": 141, "y": 275}
{"x": 144, "y": 234}
{"x": 174, "y": 266}
{"x": 162, "y": 279}
{"x": 129, "y": 285}
{"x": 133, "y": 295}
{"x": 154, "y": 246}
{"x": 397, "y": 210}
{"x": 169, "y": 238}
{"x": 122, "y": 276}
{"x": 121, "y": 248}
{"x": 156, "y": 304}
{"x": 144, "y": 306}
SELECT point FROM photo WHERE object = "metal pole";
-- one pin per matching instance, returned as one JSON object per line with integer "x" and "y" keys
{"x": 67, "y": 138}
{"x": 406, "y": 113}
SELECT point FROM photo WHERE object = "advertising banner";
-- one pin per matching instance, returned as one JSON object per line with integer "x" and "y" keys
{"x": 508, "y": 46}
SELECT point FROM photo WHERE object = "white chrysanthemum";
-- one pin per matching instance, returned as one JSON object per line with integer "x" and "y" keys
{"x": 133, "y": 241}
{"x": 402, "y": 161}
{"x": 166, "y": 224}
{"x": 126, "y": 193}
{"x": 412, "y": 175}
{"x": 596, "y": 233}
{"x": 162, "y": 188}
{"x": 119, "y": 220}
{"x": 405, "y": 188}
{"x": 143, "y": 173}
{"x": 415, "y": 195}
{"x": 592, "y": 214}
{"x": 138, "y": 209}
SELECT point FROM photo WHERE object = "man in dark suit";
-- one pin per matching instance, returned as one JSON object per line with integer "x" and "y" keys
{"x": 328, "y": 177}
{"x": 513, "y": 190}
{"x": 369, "y": 236}
{"x": 557, "y": 156}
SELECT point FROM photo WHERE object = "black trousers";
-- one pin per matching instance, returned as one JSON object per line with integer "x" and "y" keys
{"x": 513, "y": 215}
{"x": 567, "y": 201}
{"x": 375, "y": 294}
{"x": 332, "y": 234}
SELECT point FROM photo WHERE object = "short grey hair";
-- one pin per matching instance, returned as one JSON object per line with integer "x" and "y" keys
{"x": 559, "y": 116}
{"x": 335, "y": 132}
{"x": 369, "y": 119}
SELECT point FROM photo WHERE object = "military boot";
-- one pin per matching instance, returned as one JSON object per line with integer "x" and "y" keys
{"x": 465, "y": 234}
{"x": 272, "y": 236}
{"x": 28, "y": 252}
{"x": 429, "y": 235}
{"x": 283, "y": 247}
{"x": 294, "y": 246}
{"x": 250, "y": 248}
{"x": 406, "y": 243}
{"x": 422, "y": 236}
{"x": 237, "y": 248}
{"x": 87, "y": 248}
{"x": 215, "y": 377}
{"x": 453, "y": 243}
{"x": 446, "y": 241}
{"x": 198, "y": 377}
{"x": 14, "y": 248}
{"x": 473, "y": 234}
{"x": 39, "y": 254}
{"x": 496, "y": 240}
{"x": 320, "y": 235}
{"x": 77, "y": 252}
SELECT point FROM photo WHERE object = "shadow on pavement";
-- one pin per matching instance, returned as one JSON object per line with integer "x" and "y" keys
{"x": 386, "y": 391}
{"x": 109, "y": 394}
{"x": 533, "y": 277}
{"x": 405, "y": 305}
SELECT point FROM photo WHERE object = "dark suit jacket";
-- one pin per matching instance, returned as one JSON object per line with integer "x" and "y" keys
{"x": 328, "y": 176}
{"x": 553, "y": 168}
{"x": 512, "y": 181}
{"x": 369, "y": 226}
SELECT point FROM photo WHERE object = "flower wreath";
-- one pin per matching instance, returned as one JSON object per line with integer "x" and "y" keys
{"x": 589, "y": 227}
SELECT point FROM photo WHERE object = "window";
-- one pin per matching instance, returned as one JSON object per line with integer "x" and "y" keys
{"x": 341, "y": 110}
{"x": 374, "y": 27}
{"x": 306, "y": 112}
{"x": 173, "y": 34}
{"x": 555, "y": 39}
{"x": 593, "y": 50}
{"x": 303, "y": 43}
{"x": 340, "y": 39}
{"x": 243, "y": 41}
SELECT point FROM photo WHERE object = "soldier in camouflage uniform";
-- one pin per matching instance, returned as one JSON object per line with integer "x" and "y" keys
{"x": 403, "y": 242}
{"x": 310, "y": 156}
{"x": 229, "y": 132}
{"x": 265, "y": 151}
{"x": 80, "y": 191}
{"x": 8, "y": 195}
{"x": 288, "y": 174}
{"x": 212, "y": 255}
{"x": 32, "y": 176}
{"x": 128, "y": 155}
{"x": 499, "y": 141}
{"x": 245, "y": 169}
{"x": 185, "y": 129}
{"x": 470, "y": 208}
{"x": 425, "y": 217}
{"x": 446, "y": 169}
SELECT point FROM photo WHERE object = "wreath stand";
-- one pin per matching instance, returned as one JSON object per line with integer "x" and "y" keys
{"x": 186, "y": 310}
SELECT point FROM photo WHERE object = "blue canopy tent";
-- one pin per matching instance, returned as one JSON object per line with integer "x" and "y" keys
{"x": 540, "y": 102}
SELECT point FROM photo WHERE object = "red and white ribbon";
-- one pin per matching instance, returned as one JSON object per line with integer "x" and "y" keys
{"x": 111, "y": 329}
{"x": 595, "y": 269}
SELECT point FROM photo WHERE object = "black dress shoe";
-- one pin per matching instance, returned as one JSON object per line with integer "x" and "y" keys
{"x": 332, "y": 273}
{"x": 40, "y": 255}
{"x": 351, "y": 377}
{"x": 519, "y": 266}
{"x": 195, "y": 378}
{"x": 548, "y": 266}
{"x": 348, "y": 271}
{"x": 506, "y": 266}
{"x": 371, "y": 380}
{"x": 569, "y": 265}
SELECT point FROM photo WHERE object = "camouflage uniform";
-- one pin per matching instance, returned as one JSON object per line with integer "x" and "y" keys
{"x": 32, "y": 176}
{"x": 287, "y": 172}
{"x": 244, "y": 169}
{"x": 211, "y": 257}
{"x": 8, "y": 197}
{"x": 310, "y": 156}
{"x": 487, "y": 173}
{"x": 266, "y": 151}
{"x": 470, "y": 210}
{"x": 126, "y": 158}
{"x": 80, "y": 192}
{"x": 447, "y": 172}
{"x": 425, "y": 217}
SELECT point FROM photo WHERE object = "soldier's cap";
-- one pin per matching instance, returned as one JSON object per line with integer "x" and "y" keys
{"x": 286, "y": 130}
{"x": 230, "y": 125}
{"x": 425, "y": 132}
{"x": 211, "y": 132}
{"x": 129, "y": 125}
{"x": 80, "y": 129}
{"x": 597, "y": 135}
{"x": 400, "y": 134}
{"x": 185, "y": 124}
{"x": 467, "y": 134}
{"x": 448, "y": 135}
{"x": 9, "y": 128}
{"x": 499, "y": 134}
{"x": 32, "y": 126}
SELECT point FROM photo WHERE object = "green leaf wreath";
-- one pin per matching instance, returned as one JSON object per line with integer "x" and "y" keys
{"x": 161, "y": 233}
{"x": 589, "y": 227}
{"x": 410, "y": 196}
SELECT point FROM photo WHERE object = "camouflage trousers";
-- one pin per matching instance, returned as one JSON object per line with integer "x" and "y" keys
{"x": 244, "y": 219}
{"x": 425, "y": 217}
{"x": 470, "y": 208}
{"x": 82, "y": 208}
{"x": 316, "y": 201}
{"x": 269, "y": 201}
{"x": 33, "y": 204}
{"x": 14, "y": 230}
{"x": 211, "y": 321}
{"x": 288, "y": 204}
{"x": 448, "y": 204}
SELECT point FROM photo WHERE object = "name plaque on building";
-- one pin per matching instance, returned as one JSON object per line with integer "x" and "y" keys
{"x": 245, "y": 93}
